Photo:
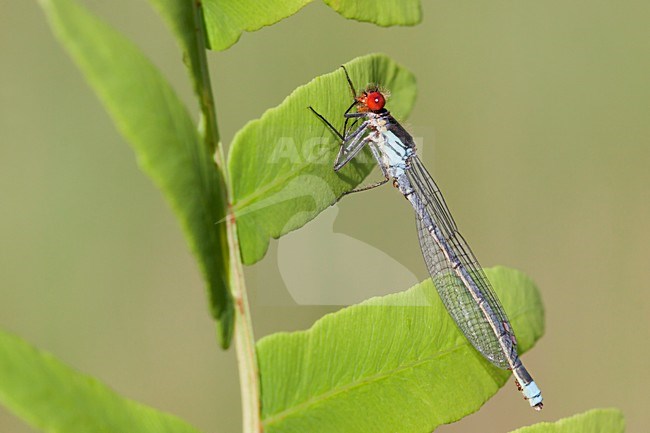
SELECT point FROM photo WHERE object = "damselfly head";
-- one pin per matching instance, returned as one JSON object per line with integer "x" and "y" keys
{"x": 372, "y": 99}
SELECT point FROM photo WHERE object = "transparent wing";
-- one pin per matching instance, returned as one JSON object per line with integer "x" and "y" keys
{"x": 481, "y": 329}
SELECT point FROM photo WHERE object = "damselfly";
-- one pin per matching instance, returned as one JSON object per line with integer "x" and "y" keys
{"x": 463, "y": 286}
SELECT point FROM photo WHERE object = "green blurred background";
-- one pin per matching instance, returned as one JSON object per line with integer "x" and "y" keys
{"x": 534, "y": 118}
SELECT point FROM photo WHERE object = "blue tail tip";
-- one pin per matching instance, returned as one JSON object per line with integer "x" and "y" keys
{"x": 533, "y": 395}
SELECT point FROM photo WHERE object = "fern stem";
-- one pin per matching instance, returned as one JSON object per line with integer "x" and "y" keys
{"x": 244, "y": 339}
{"x": 204, "y": 90}
{"x": 243, "y": 332}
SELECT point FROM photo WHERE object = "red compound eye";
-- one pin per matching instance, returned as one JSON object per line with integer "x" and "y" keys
{"x": 375, "y": 101}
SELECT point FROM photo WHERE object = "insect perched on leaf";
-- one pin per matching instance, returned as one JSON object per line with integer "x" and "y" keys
{"x": 463, "y": 287}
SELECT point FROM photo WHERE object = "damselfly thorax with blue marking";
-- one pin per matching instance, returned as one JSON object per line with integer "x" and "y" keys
{"x": 459, "y": 279}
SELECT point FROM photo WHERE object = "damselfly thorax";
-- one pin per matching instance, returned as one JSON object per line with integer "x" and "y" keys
{"x": 395, "y": 147}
